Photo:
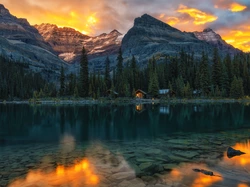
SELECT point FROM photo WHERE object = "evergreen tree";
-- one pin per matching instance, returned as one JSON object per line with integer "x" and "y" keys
{"x": 62, "y": 82}
{"x": 237, "y": 88}
{"x": 107, "y": 73}
{"x": 216, "y": 69}
{"x": 84, "y": 75}
{"x": 204, "y": 76}
{"x": 153, "y": 85}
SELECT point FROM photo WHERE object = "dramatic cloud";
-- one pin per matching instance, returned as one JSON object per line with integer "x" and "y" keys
{"x": 200, "y": 18}
{"x": 230, "y": 5}
{"x": 229, "y": 18}
{"x": 235, "y": 7}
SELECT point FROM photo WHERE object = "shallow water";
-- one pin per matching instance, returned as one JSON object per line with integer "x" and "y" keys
{"x": 132, "y": 145}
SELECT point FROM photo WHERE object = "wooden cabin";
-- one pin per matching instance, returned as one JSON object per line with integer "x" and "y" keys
{"x": 111, "y": 93}
{"x": 197, "y": 93}
{"x": 140, "y": 94}
{"x": 166, "y": 93}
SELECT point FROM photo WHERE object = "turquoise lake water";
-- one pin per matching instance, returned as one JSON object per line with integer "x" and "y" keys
{"x": 125, "y": 145}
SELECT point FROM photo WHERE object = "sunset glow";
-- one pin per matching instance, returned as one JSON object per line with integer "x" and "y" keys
{"x": 199, "y": 17}
{"x": 236, "y": 7}
{"x": 80, "y": 174}
{"x": 96, "y": 17}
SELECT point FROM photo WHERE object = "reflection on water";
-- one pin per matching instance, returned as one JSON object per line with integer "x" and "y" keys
{"x": 185, "y": 175}
{"x": 24, "y": 123}
{"x": 81, "y": 174}
{"x": 141, "y": 145}
{"x": 243, "y": 160}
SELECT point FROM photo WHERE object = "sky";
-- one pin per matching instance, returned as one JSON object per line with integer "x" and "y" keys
{"x": 229, "y": 18}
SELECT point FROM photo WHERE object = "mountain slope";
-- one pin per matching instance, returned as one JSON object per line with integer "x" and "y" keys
{"x": 21, "y": 42}
{"x": 150, "y": 36}
{"x": 68, "y": 42}
{"x": 215, "y": 39}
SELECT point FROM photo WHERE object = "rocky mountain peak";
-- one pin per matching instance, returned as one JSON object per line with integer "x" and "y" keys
{"x": 147, "y": 21}
{"x": 3, "y": 10}
{"x": 208, "y": 30}
{"x": 115, "y": 32}
{"x": 215, "y": 39}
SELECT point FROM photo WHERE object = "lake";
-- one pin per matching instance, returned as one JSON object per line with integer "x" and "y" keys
{"x": 124, "y": 145}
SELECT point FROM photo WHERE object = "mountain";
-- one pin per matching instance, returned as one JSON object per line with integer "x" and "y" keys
{"x": 21, "y": 42}
{"x": 215, "y": 39}
{"x": 151, "y": 37}
{"x": 68, "y": 42}
{"x": 13, "y": 28}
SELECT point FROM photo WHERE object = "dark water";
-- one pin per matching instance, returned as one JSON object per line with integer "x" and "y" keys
{"x": 24, "y": 123}
{"x": 129, "y": 145}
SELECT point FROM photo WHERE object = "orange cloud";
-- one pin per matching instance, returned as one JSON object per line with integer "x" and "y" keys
{"x": 238, "y": 38}
{"x": 200, "y": 18}
{"x": 169, "y": 20}
{"x": 236, "y": 7}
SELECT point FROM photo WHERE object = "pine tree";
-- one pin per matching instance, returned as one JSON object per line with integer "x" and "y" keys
{"x": 62, "y": 82}
{"x": 119, "y": 74}
{"x": 84, "y": 75}
{"x": 204, "y": 76}
{"x": 237, "y": 88}
{"x": 107, "y": 73}
{"x": 119, "y": 66}
{"x": 153, "y": 85}
{"x": 216, "y": 69}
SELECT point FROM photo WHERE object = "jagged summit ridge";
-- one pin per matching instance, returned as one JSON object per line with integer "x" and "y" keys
{"x": 3, "y": 10}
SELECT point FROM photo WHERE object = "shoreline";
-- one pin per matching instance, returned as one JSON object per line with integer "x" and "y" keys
{"x": 126, "y": 101}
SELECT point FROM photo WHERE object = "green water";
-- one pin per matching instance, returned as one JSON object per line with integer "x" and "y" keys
{"x": 131, "y": 145}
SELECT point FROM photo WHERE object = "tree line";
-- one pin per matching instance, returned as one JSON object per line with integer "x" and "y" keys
{"x": 183, "y": 73}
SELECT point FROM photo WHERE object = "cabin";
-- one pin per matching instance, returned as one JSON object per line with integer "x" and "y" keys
{"x": 166, "y": 93}
{"x": 140, "y": 94}
{"x": 111, "y": 93}
{"x": 197, "y": 93}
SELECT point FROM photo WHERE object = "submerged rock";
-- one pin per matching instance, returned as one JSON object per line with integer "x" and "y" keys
{"x": 232, "y": 152}
{"x": 204, "y": 172}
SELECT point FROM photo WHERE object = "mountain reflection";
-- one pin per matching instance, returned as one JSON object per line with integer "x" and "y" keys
{"x": 24, "y": 123}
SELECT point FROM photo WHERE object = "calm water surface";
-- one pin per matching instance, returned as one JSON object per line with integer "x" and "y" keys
{"x": 132, "y": 145}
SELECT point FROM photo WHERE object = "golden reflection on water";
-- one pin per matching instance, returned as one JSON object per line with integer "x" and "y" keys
{"x": 242, "y": 160}
{"x": 80, "y": 174}
{"x": 185, "y": 175}
{"x": 242, "y": 185}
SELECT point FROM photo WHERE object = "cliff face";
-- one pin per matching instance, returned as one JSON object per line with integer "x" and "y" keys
{"x": 14, "y": 28}
{"x": 150, "y": 37}
{"x": 215, "y": 39}
{"x": 68, "y": 42}
{"x": 21, "y": 42}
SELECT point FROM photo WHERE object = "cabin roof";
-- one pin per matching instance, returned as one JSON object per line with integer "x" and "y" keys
{"x": 139, "y": 90}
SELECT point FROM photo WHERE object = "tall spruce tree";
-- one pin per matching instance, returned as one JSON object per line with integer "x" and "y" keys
{"x": 62, "y": 82}
{"x": 119, "y": 74}
{"x": 107, "y": 73}
{"x": 216, "y": 69}
{"x": 84, "y": 75}
{"x": 204, "y": 76}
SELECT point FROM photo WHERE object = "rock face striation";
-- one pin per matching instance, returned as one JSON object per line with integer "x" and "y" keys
{"x": 215, "y": 39}
{"x": 150, "y": 36}
{"x": 68, "y": 42}
{"x": 13, "y": 28}
{"x": 20, "y": 42}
